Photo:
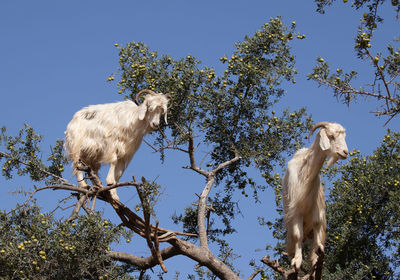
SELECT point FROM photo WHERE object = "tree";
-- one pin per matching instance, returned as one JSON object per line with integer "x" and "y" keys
{"x": 384, "y": 86}
{"x": 364, "y": 215}
{"x": 230, "y": 114}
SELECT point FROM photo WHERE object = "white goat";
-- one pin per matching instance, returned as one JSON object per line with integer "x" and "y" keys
{"x": 303, "y": 194}
{"x": 112, "y": 133}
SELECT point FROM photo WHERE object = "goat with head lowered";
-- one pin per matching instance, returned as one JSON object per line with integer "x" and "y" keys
{"x": 303, "y": 194}
{"x": 112, "y": 133}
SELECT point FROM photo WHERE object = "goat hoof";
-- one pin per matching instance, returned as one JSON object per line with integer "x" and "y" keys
{"x": 296, "y": 263}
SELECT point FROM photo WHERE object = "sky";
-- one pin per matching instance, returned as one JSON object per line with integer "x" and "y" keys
{"x": 55, "y": 57}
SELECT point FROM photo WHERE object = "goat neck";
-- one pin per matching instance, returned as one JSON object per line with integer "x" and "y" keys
{"x": 315, "y": 159}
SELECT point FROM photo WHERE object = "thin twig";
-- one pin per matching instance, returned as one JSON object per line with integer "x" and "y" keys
{"x": 55, "y": 187}
{"x": 77, "y": 207}
{"x": 382, "y": 75}
{"x": 157, "y": 249}
{"x": 273, "y": 264}
{"x": 62, "y": 208}
{"x": 254, "y": 274}
{"x": 93, "y": 203}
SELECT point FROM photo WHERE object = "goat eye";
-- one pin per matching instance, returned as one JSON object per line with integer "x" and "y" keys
{"x": 331, "y": 137}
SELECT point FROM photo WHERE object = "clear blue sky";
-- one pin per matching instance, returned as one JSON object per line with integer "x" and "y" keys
{"x": 55, "y": 57}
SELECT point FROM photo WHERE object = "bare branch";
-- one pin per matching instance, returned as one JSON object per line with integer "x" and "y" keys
{"x": 254, "y": 275}
{"x": 202, "y": 212}
{"x": 144, "y": 263}
{"x": 275, "y": 265}
{"x": 56, "y": 187}
{"x": 205, "y": 258}
{"x": 382, "y": 76}
{"x": 127, "y": 216}
{"x": 226, "y": 164}
{"x": 350, "y": 89}
{"x": 62, "y": 208}
{"x": 315, "y": 272}
{"x": 168, "y": 147}
{"x": 87, "y": 209}
{"x": 171, "y": 145}
{"x": 77, "y": 207}
{"x": 202, "y": 205}
{"x": 157, "y": 249}
{"x": 93, "y": 203}
{"x": 192, "y": 160}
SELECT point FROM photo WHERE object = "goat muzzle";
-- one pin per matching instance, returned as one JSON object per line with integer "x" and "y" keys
{"x": 343, "y": 154}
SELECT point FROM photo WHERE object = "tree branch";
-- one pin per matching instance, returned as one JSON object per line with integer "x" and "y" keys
{"x": 179, "y": 247}
{"x": 382, "y": 75}
{"x": 154, "y": 248}
{"x": 152, "y": 233}
{"x": 315, "y": 272}
{"x": 192, "y": 160}
{"x": 202, "y": 212}
{"x": 205, "y": 258}
{"x": 125, "y": 213}
{"x": 254, "y": 275}
{"x": 226, "y": 164}
{"x": 77, "y": 207}
{"x": 144, "y": 263}
{"x": 157, "y": 250}
{"x": 276, "y": 267}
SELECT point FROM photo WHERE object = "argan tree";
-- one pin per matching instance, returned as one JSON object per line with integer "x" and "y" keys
{"x": 229, "y": 115}
{"x": 364, "y": 215}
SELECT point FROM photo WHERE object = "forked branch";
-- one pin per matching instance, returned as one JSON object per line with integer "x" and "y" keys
{"x": 315, "y": 272}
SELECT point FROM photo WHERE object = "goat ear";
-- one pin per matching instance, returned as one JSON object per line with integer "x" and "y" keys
{"x": 324, "y": 142}
{"x": 142, "y": 109}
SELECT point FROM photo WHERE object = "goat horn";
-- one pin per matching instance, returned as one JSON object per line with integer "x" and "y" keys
{"x": 318, "y": 125}
{"x": 169, "y": 96}
{"x": 143, "y": 91}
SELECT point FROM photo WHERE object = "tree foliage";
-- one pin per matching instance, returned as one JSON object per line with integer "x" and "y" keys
{"x": 363, "y": 214}
{"x": 34, "y": 245}
{"x": 23, "y": 153}
{"x": 231, "y": 113}
{"x": 384, "y": 86}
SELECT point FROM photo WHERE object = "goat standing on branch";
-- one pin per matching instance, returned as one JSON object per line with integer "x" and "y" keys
{"x": 112, "y": 133}
{"x": 303, "y": 194}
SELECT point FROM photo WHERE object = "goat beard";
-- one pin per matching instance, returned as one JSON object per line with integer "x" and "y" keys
{"x": 331, "y": 161}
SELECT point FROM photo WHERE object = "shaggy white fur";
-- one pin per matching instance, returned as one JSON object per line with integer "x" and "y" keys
{"x": 112, "y": 133}
{"x": 303, "y": 194}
